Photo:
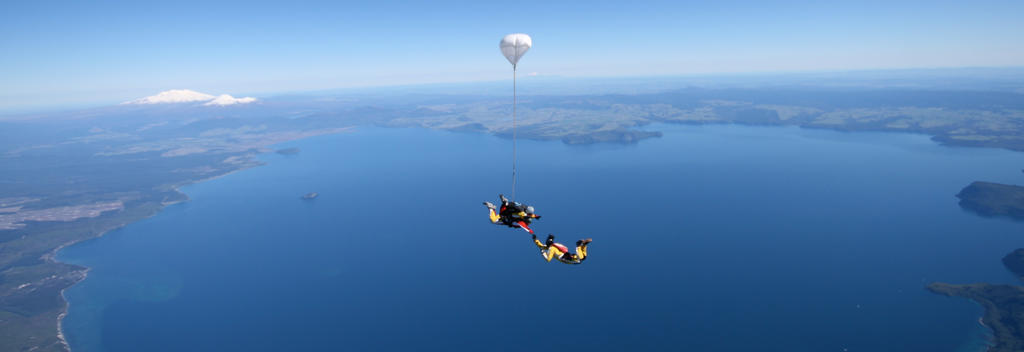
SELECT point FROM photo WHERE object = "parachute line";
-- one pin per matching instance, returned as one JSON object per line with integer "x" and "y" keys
{"x": 514, "y": 131}
{"x": 513, "y": 46}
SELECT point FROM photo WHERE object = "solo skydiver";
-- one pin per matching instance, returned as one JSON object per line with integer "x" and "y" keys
{"x": 550, "y": 249}
{"x": 512, "y": 214}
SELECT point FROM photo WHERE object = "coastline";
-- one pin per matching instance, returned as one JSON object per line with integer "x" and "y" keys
{"x": 64, "y": 312}
{"x": 83, "y": 272}
{"x": 990, "y": 336}
{"x": 51, "y": 257}
{"x": 247, "y": 163}
{"x": 1000, "y": 303}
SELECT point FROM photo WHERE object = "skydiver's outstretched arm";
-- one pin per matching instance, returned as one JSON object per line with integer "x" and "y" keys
{"x": 546, "y": 251}
{"x": 537, "y": 242}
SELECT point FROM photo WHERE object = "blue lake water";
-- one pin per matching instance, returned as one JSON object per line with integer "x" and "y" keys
{"x": 725, "y": 238}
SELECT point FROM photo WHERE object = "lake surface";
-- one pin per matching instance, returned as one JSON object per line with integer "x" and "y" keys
{"x": 726, "y": 238}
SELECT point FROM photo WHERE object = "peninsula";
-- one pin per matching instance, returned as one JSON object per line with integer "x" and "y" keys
{"x": 1015, "y": 262}
{"x": 1003, "y": 306}
{"x": 993, "y": 199}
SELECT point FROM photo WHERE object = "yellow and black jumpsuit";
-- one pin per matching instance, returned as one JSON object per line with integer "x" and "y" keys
{"x": 511, "y": 215}
{"x": 551, "y": 250}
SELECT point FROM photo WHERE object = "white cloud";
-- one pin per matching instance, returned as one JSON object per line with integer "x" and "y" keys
{"x": 225, "y": 99}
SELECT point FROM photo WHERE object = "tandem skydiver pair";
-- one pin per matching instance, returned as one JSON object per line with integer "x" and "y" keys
{"x": 517, "y": 215}
{"x": 512, "y": 214}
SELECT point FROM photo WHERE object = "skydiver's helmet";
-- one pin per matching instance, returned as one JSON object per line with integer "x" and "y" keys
{"x": 529, "y": 209}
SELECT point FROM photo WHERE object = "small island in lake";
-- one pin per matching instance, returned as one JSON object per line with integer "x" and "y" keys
{"x": 993, "y": 199}
{"x": 288, "y": 151}
{"x": 614, "y": 136}
{"x": 310, "y": 195}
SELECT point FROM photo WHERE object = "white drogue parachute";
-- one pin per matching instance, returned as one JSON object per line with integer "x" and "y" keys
{"x": 513, "y": 46}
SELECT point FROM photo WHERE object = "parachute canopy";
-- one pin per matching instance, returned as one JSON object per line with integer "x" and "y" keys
{"x": 513, "y": 46}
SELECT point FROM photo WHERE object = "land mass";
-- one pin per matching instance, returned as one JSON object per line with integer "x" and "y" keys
{"x": 970, "y": 119}
{"x": 32, "y": 283}
{"x": 1015, "y": 262}
{"x": 1004, "y": 310}
{"x": 71, "y": 178}
{"x": 1004, "y": 304}
{"x": 993, "y": 199}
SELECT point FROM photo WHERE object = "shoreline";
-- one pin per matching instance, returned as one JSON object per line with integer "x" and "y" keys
{"x": 990, "y": 339}
{"x": 64, "y": 312}
{"x": 51, "y": 256}
{"x": 84, "y": 271}
{"x": 999, "y": 303}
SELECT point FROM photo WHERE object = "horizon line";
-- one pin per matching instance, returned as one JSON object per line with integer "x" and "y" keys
{"x": 33, "y": 109}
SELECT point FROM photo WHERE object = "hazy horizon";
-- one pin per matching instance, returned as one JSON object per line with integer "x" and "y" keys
{"x": 70, "y": 53}
{"x": 637, "y": 84}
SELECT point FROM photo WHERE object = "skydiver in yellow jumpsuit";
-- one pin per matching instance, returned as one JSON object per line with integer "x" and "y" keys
{"x": 551, "y": 250}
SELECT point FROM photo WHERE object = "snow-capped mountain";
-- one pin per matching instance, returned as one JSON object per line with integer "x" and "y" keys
{"x": 225, "y": 99}
{"x": 175, "y": 96}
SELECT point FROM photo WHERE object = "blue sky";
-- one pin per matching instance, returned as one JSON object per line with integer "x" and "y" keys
{"x": 92, "y": 52}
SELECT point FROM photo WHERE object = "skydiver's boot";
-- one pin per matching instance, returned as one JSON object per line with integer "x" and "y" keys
{"x": 503, "y": 199}
{"x": 490, "y": 206}
{"x": 581, "y": 249}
